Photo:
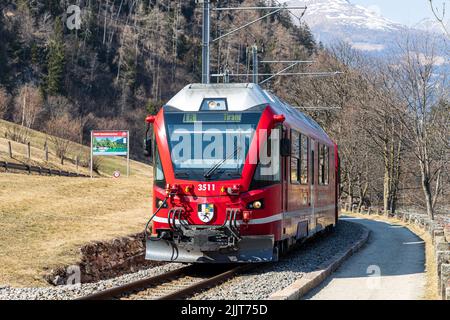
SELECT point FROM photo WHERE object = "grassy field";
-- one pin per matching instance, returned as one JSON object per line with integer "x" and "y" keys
{"x": 37, "y": 140}
{"x": 44, "y": 220}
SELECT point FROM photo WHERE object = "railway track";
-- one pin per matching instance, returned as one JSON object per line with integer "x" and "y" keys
{"x": 173, "y": 285}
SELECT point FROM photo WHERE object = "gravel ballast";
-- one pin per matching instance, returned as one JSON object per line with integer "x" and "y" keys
{"x": 69, "y": 292}
{"x": 260, "y": 283}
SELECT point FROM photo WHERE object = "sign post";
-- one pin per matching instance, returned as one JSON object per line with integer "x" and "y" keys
{"x": 110, "y": 143}
{"x": 128, "y": 155}
{"x": 92, "y": 157}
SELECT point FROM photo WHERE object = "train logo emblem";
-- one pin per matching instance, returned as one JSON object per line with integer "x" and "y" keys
{"x": 205, "y": 212}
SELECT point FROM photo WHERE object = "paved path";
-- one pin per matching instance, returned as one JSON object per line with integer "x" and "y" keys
{"x": 390, "y": 266}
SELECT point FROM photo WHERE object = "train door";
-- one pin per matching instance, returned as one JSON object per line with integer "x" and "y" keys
{"x": 284, "y": 176}
{"x": 337, "y": 181}
{"x": 313, "y": 183}
{"x": 284, "y": 186}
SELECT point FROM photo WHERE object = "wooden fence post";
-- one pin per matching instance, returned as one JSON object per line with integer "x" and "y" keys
{"x": 29, "y": 150}
{"x": 10, "y": 149}
{"x": 46, "y": 152}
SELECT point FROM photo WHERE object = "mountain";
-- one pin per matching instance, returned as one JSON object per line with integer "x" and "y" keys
{"x": 365, "y": 29}
{"x": 430, "y": 25}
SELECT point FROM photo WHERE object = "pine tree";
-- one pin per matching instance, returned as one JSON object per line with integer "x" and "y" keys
{"x": 306, "y": 38}
{"x": 55, "y": 60}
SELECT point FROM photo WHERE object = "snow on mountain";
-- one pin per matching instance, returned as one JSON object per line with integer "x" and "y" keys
{"x": 344, "y": 13}
{"x": 365, "y": 28}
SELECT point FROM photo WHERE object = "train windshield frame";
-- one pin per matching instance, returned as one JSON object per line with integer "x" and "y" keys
{"x": 207, "y": 146}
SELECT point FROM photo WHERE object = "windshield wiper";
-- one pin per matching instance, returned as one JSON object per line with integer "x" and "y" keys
{"x": 214, "y": 168}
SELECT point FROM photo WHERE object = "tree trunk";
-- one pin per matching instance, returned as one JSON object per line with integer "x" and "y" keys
{"x": 428, "y": 199}
{"x": 427, "y": 191}
{"x": 350, "y": 191}
{"x": 386, "y": 179}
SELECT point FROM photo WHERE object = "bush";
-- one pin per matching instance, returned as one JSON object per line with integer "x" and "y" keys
{"x": 63, "y": 130}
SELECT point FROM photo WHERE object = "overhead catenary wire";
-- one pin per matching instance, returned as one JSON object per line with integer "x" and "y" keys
{"x": 256, "y": 8}
{"x": 316, "y": 74}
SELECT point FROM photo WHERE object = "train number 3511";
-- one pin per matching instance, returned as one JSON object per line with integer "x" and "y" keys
{"x": 206, "y": 187}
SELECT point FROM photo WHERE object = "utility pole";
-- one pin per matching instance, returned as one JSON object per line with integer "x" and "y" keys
{"x": 206, "y": 32}
{"x": 255, "y": 63}
{"x": 206, "y": 41}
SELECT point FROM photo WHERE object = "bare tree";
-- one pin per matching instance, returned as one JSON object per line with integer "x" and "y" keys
{"x": 28, "y": 105}
{"x": 64, "y": 131}
{"x": 366, "y": 128}
{"x": 4, "y": 102}
{"x": 422, "y": 86}
{"x": 439, "y": 14}
{"x": 57, "y": 105}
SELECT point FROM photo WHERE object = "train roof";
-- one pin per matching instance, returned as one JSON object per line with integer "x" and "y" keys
{"x": 243, "y": 96}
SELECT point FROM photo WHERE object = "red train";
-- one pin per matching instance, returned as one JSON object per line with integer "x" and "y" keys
{"x": 239, "y": 176}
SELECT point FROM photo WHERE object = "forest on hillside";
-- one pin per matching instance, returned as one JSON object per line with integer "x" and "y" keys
{"x": 128, "y": 57}
{"x": 389, "y": 117}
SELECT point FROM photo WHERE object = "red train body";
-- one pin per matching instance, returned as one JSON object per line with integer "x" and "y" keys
{"x": 242, "y": 208}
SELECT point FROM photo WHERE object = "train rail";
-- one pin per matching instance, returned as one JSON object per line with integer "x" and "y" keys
{"x": 173, "y": 285}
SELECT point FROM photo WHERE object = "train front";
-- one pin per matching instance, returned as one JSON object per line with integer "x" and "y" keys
{"x": 216, "y": 178}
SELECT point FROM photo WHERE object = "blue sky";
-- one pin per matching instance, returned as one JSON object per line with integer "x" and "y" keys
{"x": 407, "y": 12}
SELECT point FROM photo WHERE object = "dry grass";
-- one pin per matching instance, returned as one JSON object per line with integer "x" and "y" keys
{"x": 44, "y": 220}
{"x": 430, "y": 265}
{"x": 38, "y": 140}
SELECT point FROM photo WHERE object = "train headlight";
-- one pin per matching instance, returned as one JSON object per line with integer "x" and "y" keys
{"x": 258, "y": 204}
{"x": 160, "y": 203}
{"x": 214, "y": 104}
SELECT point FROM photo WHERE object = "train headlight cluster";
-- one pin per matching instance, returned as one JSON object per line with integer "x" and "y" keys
{"x": 258, "y": 204}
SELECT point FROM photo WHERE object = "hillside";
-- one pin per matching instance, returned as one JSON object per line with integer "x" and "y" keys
{"x": 127, "y": 58}
{"x": 107, "y": 165}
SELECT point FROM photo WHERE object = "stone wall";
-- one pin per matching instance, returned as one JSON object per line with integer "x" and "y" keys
{"x": 440, "y": 233}
{"x": 103, "y": 260}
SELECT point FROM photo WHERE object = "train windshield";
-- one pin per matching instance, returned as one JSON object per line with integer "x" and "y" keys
{"x": 210, "y": 145}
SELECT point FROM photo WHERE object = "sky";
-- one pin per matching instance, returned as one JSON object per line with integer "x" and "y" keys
{"x": 408, "y": 12}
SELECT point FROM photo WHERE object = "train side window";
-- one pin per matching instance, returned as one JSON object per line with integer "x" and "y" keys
{"x": 304, "y": 144}
{"x": 261, "y": 179}
{"x": 295, "y": 157}
{"x": 160, "y": 180}
{"x": 312, "y": 161}
{"x": 324, "y": 164}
